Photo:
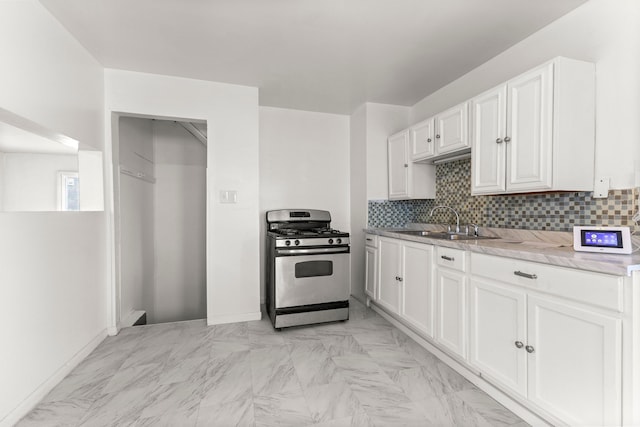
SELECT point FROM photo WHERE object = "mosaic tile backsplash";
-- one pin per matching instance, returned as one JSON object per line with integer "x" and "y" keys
{"x": 542, "y": 211}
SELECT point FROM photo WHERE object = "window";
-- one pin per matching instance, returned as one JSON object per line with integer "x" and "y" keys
{"x": 68, "y": 191}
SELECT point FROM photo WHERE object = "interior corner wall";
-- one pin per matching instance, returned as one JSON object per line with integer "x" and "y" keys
{"x": 371, "y": 125}
{"x": 358, "y": 201}
{"x": 604, "y": 32}
{"x": 53, "y": 292}
{"x": 304, "y": 163}
{"x": 233, "y": 230}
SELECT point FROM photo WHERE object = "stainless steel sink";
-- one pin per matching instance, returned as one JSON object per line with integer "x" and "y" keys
{"x": 443, "y": 235}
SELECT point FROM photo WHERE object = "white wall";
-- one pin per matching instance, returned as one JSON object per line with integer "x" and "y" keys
{"x": 52, "y": 297}
{"x": 180, "y": 224}
{"x": 371, "y": 124}
{"x": 233, "y": 234}
{"x": 137, "y": 213}
{"x": 91, "y": 174}
{"x": 304, "y": 163}
{"x": 605, "y": 32}
{"x": 358, "y": 200}
{"x": 2, "y": 180}
{"x": 31, "y": 180}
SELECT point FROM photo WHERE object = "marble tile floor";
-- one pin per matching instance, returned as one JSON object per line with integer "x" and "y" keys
{"x": 362, "y": 372}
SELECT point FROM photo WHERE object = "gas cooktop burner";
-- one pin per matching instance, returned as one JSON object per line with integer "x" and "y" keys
{"x": 309, "y": 232}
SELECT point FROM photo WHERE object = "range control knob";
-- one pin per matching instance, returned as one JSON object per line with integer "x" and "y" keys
{"x": 297, "y": 242}
{"x": 338, "y": 241}
{"x": 288, "y": 242}
{"x": 331, "y": 241}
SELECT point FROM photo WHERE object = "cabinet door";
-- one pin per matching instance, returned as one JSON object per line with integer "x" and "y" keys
{"x": 498, "y": 333}
{"x": 398, "y": 166}
{"x": 417, "y": 284}
{"x": 422, "y": 144}
{"x": 452, "y": 129}
{"x": 488, "y": 160}
{"x": 574, "y": 362}
{"x": 529, "y": 127}
{"x": 389, "y": 284}
{"x": 371, "y": 272}
{"x": 451, "y": 330}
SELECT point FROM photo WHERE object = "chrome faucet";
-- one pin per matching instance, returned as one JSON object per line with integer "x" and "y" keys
{"x": 475, "y": 229}
{"x": 452, "y": 210}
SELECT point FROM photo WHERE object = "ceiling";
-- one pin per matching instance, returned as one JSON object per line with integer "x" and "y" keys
{"x": 317, "y": 55}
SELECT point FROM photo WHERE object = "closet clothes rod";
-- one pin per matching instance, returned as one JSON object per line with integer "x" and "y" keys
{"x": 139, "y": 175}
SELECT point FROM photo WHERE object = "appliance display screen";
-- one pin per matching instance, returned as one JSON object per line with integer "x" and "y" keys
{"x": 602, "y": 239}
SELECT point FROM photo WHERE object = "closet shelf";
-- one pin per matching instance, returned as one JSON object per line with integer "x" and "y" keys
{"x": 140, "y": 175}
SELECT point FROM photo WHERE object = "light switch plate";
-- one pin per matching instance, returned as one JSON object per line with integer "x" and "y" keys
{"x": 601, "y": 188}
{"x": 228, "y": 196}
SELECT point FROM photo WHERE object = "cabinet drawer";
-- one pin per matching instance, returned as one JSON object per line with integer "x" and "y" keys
{"x": 601, "y": 290}
{"x": 371, "y": 240}
{"x": 451, "y": 258}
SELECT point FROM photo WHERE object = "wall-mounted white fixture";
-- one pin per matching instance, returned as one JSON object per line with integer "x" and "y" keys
{"x": 601, "y": 188}
{"x": 228, "y": 196}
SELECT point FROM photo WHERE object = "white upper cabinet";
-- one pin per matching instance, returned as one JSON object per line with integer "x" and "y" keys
{"x": 536, "y": 132}
{"x": 489, "y": 112}
{"x": 422, "y": 140}
{"x": 528, "y": 133}
{"x": 408, "y": 180}
{"x": 452, "y": 129}
{"x": 398, "y": 166}
{"x": 443, "y": 134}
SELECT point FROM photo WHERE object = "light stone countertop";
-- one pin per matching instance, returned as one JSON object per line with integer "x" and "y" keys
{"x": 546, "y": 247}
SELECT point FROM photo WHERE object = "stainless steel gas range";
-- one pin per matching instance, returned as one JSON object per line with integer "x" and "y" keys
{"x": 308, "y": 268}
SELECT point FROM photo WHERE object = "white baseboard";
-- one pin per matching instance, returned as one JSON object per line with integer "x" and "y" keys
{"x": 233, "y": 318}
{"x": 36, "y": 396}
{"x": 516, "y": 407}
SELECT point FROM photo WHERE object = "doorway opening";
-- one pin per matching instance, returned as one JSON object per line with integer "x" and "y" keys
{"x": 159, "y": 167}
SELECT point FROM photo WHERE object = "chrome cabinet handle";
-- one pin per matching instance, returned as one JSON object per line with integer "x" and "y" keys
{"x": 519, "y": 344}
{"x": 447, "y": 258}
{"x": 438, "y": 136}
{"x": 529, "y": 349}
{"x": 406, "y": 165}
{"x": 499, "y": 141}
{"x": 507, "y": 139}
{"x": 369, "y": 239}
{"x": 399, "y": 279}
{"x": 428, "y": 139}
{"x": 526, "y": 275}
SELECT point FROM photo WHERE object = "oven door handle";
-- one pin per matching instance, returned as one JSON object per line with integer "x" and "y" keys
{"x": 312, "y": 251}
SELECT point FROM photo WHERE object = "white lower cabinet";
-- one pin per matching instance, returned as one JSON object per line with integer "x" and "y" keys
{"x": 574, "y": 362}
{"x": 417, "y": 295}
{"x": 405, "y": 284}
{"x": 563, "y": 357}
{"x": 390, "y": 263}
{"x": 371, "y": 266}
{"x": 451, "y": 294}
{"x": 549, "y": 336}
{"x": 451, "y": 330}
{"x": 498, "y": 332}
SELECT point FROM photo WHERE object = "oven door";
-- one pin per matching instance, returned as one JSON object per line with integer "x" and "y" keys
{"x": 311, "y": 276}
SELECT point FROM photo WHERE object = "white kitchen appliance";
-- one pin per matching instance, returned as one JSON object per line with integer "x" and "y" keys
{"x": 612, "y": 240}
